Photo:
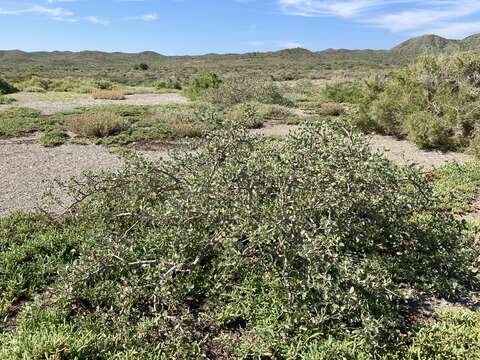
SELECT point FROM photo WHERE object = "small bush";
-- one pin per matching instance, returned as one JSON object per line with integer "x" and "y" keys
{"x": 169, "y": 83}
{"x": 200, "y": 84}
{"x": 245, "y": 115}
{"x": 142, "y": 67}
{"x": 6, "y": 88}
{"x": 109, "y": 95}
{"x": 239, "y": 90}
{"x": 20, "y": 121}
{"x": 329, "y": 109}
{"x": 96, "y": 124}
{"x": 274, "y": 112}
{"x": 4, "y": 100}
{"x": 53, "y": 137}
{"x": 68, "y": 84}
{"x": 342, "y": 92}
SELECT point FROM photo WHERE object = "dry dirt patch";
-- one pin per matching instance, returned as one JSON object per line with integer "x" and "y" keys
{"x": 72, "y": 101}
{"x": 28, "y": 170}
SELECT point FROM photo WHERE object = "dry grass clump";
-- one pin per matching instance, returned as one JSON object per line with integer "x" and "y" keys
{"x": 96, "y": 124}
{"x": 109, "y": 95}
{"x": 181, "y": 124}
{"x": 330, "y": 109}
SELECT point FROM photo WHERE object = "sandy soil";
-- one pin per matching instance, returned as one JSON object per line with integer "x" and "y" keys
{"x": 28, "y": 170}
{"x": 52, "y": 107}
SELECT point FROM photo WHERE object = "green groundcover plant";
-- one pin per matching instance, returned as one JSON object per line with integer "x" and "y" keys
{"x": 247, "y": 248}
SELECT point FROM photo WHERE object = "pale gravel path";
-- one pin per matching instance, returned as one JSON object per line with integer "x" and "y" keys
{"x": 47, "y": 107}
{"x": 28, "y": 170}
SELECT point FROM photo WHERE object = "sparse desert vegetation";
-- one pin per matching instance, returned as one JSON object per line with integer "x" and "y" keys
{"x": 273, "y": 230}
{"x": 109, "y": 95}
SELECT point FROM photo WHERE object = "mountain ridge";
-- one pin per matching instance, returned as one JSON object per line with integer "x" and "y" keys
{"x": 421, "y": 44}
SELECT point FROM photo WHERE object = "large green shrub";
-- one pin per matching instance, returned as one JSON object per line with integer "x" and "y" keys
{"x": 247, "y": 248}
{"x": 237, "y": 90}
{"x": 435, "y": 102}
{"x": 6, "y": 88}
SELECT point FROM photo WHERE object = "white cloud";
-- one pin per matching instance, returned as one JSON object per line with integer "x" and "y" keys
{"x": 411, "y": 16}
{"x": 146, "y": 17}
{"x": 59, "y": 1}
{"x": 56, "y": 12}
{"x": 9, "y": 12}
{"x": 95, "y": 20}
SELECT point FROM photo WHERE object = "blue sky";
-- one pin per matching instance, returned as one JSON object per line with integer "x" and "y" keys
{"x": 203, "y": 26}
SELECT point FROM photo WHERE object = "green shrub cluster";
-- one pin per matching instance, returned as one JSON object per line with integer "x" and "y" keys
{"x": 20, "y": 121}
{"x": 253, "y": 114}
{"x": 6, "y": 88}
{"x": 246, "y": 248}
{"x": 343, "y": 92}
{"x": 200, "y": 84}
{"x": 4, "y": 100}
{"x": 169, "y": 83}
{"x": 237, "y": 90}
{"x": 69, "y": 84}
{"x": 434, "y": 102}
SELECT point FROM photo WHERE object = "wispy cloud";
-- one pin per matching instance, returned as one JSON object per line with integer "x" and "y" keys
{"x": 55, "y": 13}
{"x": 95, "y": 20}
{"x": 145, "y": 17}
{"x": 446, "y": 17}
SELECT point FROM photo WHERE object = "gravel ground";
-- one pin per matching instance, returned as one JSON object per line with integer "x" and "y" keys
{"x": 53, "y": 107}
{"x": 28, "y": 170}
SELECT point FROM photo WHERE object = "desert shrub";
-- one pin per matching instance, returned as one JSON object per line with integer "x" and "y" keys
{"x": 35, "y": 82}
{"x": 329, "y": 109}
{"x": 200, "y": 84}
{"x": 142, "y": 67}
{"x": 245, "y": 115}
{"x": 96, "y": 124}
{"x": 237, "y": 90}
{"x": 342, "y": 92}
{"x": 108, "y": 95}
{"x": 103, "y": 84}
{"x": 6, "y": 88}
{"x": 249, "y": 248}
{"x": 427, "y": 130}
{"x": 274, "y": 112}
{"x": 20, "y": 121}
{"x": 169, "y": 83}
{"x": 68, "y": 84}
{"x": 434, "y": 102}
{"x": 4, "y": 100}
{"x": 53, "y": 137}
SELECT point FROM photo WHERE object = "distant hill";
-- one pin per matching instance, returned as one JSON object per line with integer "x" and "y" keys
{"x": 287, "y": 64}
{"x": 437, "y": 44}
{"x": 415, "y": 46}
